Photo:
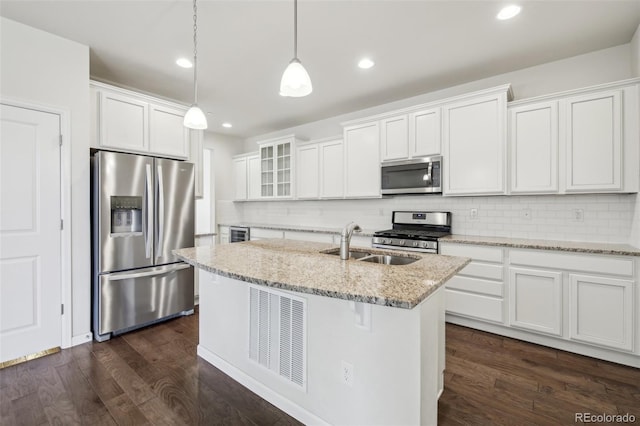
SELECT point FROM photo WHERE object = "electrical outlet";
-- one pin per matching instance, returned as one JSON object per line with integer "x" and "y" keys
{"x": 473, "y": 214}
{"x": 526, "y": 214}
{"x": 346, "y": 373}
{"x": 578, "y": 215}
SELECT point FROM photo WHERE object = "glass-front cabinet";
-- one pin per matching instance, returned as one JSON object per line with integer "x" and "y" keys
{"x": 276, "y": 167}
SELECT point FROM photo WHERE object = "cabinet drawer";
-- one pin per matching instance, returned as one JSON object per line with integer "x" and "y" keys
{"x": 260, "y": 233}
{"x": 487, "y": 254}
{"x": 575, "y": 262}
{"x": 476, "y": 285}
{"x": 474, "y": 305}
{"x": 483, "y": 270}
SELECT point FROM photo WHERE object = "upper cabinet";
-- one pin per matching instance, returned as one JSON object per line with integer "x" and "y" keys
{"x": 127, "y": 121}
{"x": 474, "y": 142}
{"x": 240, "y": 177}
{"x": 394, "y": 138}
{"x": 533, "y": 133}
{"x": 246, "y": 176}
{"x": 320, "y": 169}
{"x": 362, "y": 160}
{"x": 277, "y": 167}
{"x": 196, "y": 155}
{"x": 424, "y": 133}
{"x": 307, "y": 171}
{"x": 577, "y": 142}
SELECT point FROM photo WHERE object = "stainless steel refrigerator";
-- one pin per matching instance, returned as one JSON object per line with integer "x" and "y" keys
{"x": 142, "y": 209}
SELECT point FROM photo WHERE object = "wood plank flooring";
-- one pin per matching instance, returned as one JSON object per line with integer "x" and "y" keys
{"x": 153, "y": 377}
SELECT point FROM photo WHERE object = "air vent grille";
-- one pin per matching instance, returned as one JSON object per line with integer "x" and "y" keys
{"x": 277, "y": 333}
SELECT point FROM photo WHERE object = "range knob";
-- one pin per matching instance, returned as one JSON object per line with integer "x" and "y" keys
{"x": 401, "y": 242}
{"x": 415, "y": 243}
{"x": 386, "y": 241}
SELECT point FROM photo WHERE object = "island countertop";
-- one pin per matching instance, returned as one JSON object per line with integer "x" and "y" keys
{"x": 301, "y": 266}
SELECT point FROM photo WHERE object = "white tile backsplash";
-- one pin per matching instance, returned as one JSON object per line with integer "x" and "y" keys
{"x": 606, "y": 218}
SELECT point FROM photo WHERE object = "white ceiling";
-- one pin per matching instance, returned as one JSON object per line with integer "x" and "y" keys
{"x": 244, "y": 46}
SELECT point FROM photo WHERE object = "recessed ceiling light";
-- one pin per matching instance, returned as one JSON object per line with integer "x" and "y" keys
{"x": 366, "y": 63}
{"x": 227, "y": 125}
{"x": 508, "y": 12}
{"x": 184, "y": 63}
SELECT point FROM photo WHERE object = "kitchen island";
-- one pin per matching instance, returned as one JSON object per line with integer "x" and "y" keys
{"x": 326, "y": 340}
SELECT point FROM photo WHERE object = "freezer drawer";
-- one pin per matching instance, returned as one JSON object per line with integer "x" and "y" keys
{"x": 130, "y": 299}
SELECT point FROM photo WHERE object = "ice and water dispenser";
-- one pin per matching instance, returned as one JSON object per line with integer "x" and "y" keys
{"x": 126, "y": 214}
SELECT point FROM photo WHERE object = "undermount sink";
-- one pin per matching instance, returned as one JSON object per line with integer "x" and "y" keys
{"x": 353, "y": 254}
{"x": 383, "y": 259}
{"x": 387, "y": 259}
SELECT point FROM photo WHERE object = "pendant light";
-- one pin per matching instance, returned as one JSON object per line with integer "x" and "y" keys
{"x": 295, "y": 80}
{"x": 195, "y": 118}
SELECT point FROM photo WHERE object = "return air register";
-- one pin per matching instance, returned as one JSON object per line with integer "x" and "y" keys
{"x": 277, "y": 333}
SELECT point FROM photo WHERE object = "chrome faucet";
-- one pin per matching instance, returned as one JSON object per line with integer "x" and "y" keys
{"x": 345, "y": 239}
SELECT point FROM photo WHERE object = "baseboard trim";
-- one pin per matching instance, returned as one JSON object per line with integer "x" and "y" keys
{"x": 294, "y": 410}
{"x": 83, "y": 338}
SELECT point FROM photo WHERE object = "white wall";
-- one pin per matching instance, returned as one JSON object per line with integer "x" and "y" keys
{"x": 607, "y": 218}
{"x": 635, "y": 66}
{"x": 44, "y": 69}
{"x": 224, "y": 147}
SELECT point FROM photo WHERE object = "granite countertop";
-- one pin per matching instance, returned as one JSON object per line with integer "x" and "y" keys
{"x": 302, "y": 228}
{"x": 301, "y": 267}
{"x": 572, "y": 246}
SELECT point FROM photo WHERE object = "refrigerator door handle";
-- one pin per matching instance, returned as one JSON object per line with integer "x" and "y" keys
{"x": 160, "y": 201}
{"x": 146, "y": 226}
{"x": 130, "y": 275}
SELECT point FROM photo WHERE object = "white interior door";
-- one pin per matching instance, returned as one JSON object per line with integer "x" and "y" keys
{"x": 30, "y": 261}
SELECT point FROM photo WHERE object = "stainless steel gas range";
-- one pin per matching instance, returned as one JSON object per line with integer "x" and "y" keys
{"x": 414, "y": 231}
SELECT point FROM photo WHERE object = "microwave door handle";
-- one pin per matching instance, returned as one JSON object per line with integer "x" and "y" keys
{"x": 428, "y": 175}
{"x": 160, "y": 201}
{"x": 146, "y": 225}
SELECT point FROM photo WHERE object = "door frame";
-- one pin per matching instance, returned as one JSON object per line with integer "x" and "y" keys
{"x": 66, "y": 324}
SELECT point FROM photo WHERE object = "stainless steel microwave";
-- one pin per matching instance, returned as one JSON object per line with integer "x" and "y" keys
{"x": 416, "y": 176}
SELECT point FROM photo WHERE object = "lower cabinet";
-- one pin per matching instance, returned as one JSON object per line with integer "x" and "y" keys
{"x": 601, "y": 311}
{"x": 575, "y": 301}
{"x": 535, "y": 300}
{"x": 223, "y": 234}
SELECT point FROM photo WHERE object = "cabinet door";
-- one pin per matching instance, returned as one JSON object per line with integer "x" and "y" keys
{"x": 266, "y": 171}
{"x": 332, "y": 169}
{"x": 195, "y": 157}
{"x": 284, "y": 169}
{"x": 535, "y": 300}
{"x": 394, "y": 138}
{"x": 253, "y": 177}
{"x": 601, "y": 311}
{"x": 167, "y": 135}
{"x": 424, "y": 133}
{"x": 123, "y": 122}
{"x": 307, "y": 182}
{"x": 533, "y": 136}
{"x": 240, "y": 178}
{"x": 593, "y": 142}
{"x": 362, "y": 160}
{"x": 474, "y": 146}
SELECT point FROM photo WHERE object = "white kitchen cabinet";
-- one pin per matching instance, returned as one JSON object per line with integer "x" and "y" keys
{"x": 123, "y": 122}
{"x": 331, "y": 168}
{"x": 240, "y": 178}
{"x": 195, "y": 156}
{"x": 307, "y": 171}
{"x": 533, "y": 137}
{"x": 478, "y": 290}
{"x": 593, "y": 141}
{"x": 223, "y": 234}
{"x": 474, "y": 143}
{"x": 601, "y": 311}
{"x": 277, "y": 167}
{"x": 424, "y": 133}
{"x": 167, "y": 134}
{"x": 127, "y": 121}
{"x": 535, "y": 300}
{"x": 362, "y": 160}
{"x": 253, "y": 176}
{"x": 394, "y": 138}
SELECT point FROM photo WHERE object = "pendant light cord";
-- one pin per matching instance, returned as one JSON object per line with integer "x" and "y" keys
{"x": 295, "y": 29}
{"x": 195, "y": 53}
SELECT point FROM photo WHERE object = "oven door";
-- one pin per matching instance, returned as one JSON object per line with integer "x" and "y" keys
{"x": 421, "y": 176}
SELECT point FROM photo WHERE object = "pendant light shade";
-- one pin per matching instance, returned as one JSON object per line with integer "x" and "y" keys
{"x": 195, "y": 118}
{"x": 295, "y": 81}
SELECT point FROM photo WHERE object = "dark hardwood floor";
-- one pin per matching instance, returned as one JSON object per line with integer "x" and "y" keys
{"x": 153, "y": 376}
